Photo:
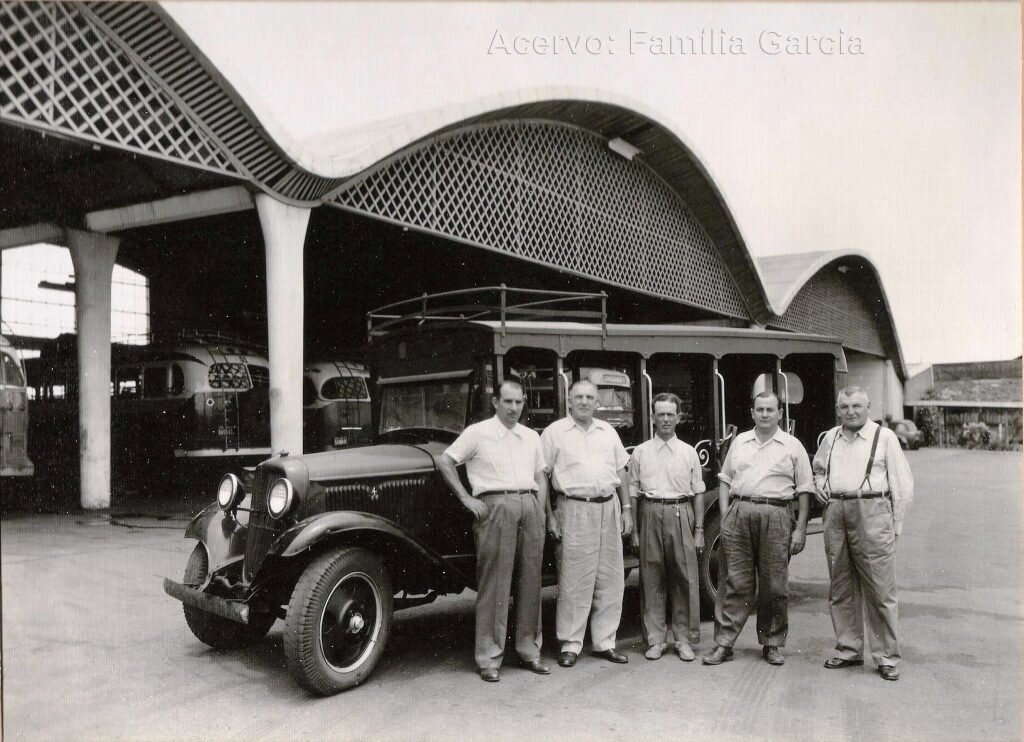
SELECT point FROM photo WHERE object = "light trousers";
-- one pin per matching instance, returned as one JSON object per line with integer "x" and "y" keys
{"x": 590, "y": 573}
{"x": 860, "y": 544}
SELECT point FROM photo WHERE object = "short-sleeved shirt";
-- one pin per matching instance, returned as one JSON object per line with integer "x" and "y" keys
{"x": 665, "y": 469}
{"x": 840, "y": 464}
{"x": 584, "y": 463}
{"x": 778, "y": 467}
{"x": 497, "y": 458}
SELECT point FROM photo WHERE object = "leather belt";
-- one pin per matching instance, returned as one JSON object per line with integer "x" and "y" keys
{"x": 869, "y": 495}
{"x": 760, "y": 500}
{"x": 600, "y": 498}
{"x": 488, "y": 493}
{"x": 667, "y": 500}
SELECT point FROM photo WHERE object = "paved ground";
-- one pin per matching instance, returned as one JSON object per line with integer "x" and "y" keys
{"x": 93, "y": 649}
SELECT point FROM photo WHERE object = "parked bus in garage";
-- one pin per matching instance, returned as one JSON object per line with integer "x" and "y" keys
{"x": 14, "y": 460}
{"x": 194, "y": 398}
{"x": 333, "y": 542}
{"x": 335, "y": 405}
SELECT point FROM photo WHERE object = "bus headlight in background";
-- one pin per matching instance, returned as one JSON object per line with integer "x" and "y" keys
{"x": 280, "y": 498}
{"x": 230, "y": 492}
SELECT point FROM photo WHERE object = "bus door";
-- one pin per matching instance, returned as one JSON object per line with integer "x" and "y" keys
{"x": 617, "y": 377}
{"x": 807, "y": 389}
{"x": 691, "y": 377}
{"x": 737, "y": 375}
{"x": 538, "y": 370}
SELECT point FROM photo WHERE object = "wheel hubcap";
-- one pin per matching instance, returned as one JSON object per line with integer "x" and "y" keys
{"x": 350, "y": 622}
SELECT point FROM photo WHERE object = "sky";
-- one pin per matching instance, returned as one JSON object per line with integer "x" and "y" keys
{"x": 892, "y": 128}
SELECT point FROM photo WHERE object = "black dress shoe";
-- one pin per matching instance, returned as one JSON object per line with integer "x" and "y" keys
{"x": 567, "y": 659}
{"x": 835, "y": 663}
{"x": 490, "y": 674}
{"x": 535, "y": 666}
{"x": 613, "y": 655}
{"x": 889, "y": 672}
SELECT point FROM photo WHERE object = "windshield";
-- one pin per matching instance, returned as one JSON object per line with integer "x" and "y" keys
{"x": 442, "y": 405}
{"x": 611, "y": 398}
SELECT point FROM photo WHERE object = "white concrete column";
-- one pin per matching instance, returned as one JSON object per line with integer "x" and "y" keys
{"x": 284, "y": 236}
{"x": 93, "y": 256}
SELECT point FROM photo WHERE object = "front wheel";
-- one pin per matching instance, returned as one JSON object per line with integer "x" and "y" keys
{"x": 217, "y": 632}
{"x": 339, "y": 619}
{"x": 708, "y": 567}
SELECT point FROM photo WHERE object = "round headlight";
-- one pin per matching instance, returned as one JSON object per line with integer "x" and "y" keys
{"x": 230, "y": 492}
{"x": 280, "y": 497}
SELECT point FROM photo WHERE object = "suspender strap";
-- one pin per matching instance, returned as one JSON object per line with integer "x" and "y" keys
{"x": 871, "y": 459}
{"x": 828, "y": 466}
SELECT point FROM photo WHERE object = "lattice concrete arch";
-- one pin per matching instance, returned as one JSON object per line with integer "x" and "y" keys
{"x": 125, "y": 76}
{"x": 838, "y": 293}
{"x": 554, "y": 194}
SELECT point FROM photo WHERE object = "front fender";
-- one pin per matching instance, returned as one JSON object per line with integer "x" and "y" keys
{"x": 222, "y": 536}
{"x": 366, "y": 528}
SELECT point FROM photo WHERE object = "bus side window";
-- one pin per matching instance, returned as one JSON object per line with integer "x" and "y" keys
{"x": 177, "y": 380}
{"x": 128, "y": 381}
{"x": 154, "y": 382}
{"x": 12, "y": 372}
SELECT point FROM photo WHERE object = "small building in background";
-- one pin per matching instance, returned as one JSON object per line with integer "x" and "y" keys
{"x": 978, "y": 405}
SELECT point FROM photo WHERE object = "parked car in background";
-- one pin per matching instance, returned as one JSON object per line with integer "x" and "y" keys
{"x": 910, "y": 436}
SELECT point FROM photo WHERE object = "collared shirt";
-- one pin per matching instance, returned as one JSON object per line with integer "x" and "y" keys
{"x": 890, "y": 471}
{"x": 497, "y": 458}
{"x": 778, "y": 467}
{"x": 665, "y": 469}
{"x": 584, "y": 463}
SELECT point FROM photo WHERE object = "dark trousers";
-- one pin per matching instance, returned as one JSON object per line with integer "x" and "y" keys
{"x": 755, "y": 553}
{"x": 509, "y": 540}
{"x": 668, "y": 572}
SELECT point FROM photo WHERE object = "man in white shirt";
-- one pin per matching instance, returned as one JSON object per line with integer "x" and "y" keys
{"x": 863, "y": 479}
{"x": 587, "y": 463}
{"x": 666, "y": 482}
{"x": 505, "y": 468}
{"x": 764, "y": 470}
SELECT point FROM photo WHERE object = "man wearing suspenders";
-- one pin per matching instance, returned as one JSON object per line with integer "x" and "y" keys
{"x": 863, "y": 479}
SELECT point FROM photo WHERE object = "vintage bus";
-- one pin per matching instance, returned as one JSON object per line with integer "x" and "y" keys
{"x": 196, "y": 397}
{"x": 334, "y": 542}
{"x": 335, "y": 405}
{"x": 14, "y": 460}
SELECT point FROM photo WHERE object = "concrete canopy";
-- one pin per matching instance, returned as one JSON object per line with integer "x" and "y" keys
{"x": 181, "y": 111}
{"x": 800, "y": 284}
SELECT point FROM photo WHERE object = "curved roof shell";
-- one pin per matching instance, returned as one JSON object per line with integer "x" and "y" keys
{"x": 127, "y": 79}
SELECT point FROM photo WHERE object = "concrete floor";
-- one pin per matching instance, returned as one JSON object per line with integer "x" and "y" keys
{"x": 94, "y": 650}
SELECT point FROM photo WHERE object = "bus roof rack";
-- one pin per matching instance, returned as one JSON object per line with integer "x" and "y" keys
{"x": 207, "y": 337}
{"x": 502, "y": 302}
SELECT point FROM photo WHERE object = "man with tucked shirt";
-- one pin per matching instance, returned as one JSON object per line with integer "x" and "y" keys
{"x": 863, "y": 479}
{"x": 665, "y": 480}
{"x": 587, "y": 463}
{"x": 763, "y": 471}
{"x": 505, "y": 468}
